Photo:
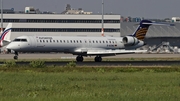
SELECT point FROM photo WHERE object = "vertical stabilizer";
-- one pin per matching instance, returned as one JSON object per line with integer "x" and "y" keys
{"x": 5, "y": 36}
{"x": 142, "y": 29}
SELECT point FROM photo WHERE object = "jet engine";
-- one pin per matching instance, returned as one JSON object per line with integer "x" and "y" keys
{"x": 130, "y": 40}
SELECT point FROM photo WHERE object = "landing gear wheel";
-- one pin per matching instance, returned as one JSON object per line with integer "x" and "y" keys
{"x": 15, "y": 57}
{"x": 98, "y": 59}
{"x": 79, "y": 59}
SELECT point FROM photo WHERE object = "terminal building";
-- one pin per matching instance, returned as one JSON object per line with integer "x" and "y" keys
{"x": 76, "y": 23}
{"x": 61, "y": 24}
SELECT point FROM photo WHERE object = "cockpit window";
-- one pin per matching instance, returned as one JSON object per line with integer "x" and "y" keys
{"x": 24, "y": 40}
{"x": 20, "y": 40}
{"x": 17, "y": 40}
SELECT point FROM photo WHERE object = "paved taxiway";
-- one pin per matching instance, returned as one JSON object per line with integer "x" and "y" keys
{"x": 69, "y": 56}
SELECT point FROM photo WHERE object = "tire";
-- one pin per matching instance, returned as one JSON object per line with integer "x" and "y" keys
{"x": 15, "y": 57}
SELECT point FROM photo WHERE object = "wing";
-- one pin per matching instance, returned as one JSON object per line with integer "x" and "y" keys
{"x": 113, "y": 52}
{"x": 104, "y": 52}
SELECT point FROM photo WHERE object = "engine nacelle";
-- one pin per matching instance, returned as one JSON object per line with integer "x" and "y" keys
{"x": 130, "y": 40}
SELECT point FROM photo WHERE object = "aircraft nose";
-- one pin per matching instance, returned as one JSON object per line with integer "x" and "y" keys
{"x": 11, "y": 47}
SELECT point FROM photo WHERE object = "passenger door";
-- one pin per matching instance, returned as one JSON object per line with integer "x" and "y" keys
{"x": 32, "y": 42}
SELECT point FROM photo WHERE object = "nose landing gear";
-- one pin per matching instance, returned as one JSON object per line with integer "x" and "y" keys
{"x": 16, "y": 55}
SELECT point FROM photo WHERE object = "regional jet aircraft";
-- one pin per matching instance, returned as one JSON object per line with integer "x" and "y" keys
{"x": 81, "y": 45}
{"x": 5, "y": 36}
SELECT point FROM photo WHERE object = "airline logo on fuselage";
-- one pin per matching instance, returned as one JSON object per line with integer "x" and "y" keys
{"x": 45, "y": 38}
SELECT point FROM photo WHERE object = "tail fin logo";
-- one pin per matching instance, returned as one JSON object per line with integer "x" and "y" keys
{"x": 142, "y": 29}
{"x": 4, "y": 33}
{"x": 141, "y": 33}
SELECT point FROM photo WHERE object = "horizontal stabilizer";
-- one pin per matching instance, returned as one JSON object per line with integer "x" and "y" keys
{"x": 160, "y": 24}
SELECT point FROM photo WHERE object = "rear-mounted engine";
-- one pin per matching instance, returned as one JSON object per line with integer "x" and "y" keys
{"x": 130, "y": 41}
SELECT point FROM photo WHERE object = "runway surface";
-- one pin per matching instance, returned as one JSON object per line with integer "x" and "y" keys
{"x": 69, "y": 56}
{"x": 103, "y": 63}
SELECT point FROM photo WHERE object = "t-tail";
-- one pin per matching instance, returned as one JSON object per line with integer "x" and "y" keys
{"x": 143, "y": 27}
{"x": 5, "y": 36}
{"x": 137, "y": 38}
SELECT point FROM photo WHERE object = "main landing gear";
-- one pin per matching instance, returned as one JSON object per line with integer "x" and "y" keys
{"x": 16, "y": 55}
{"x": 98, "y": 59}
{"x": 79, "y": 58}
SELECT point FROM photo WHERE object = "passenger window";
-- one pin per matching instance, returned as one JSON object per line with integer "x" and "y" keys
{"x": 57, "y": 41}
{"x": 53, "y": 40}
{"x": 47, "y": 41}
{"x": 40, "y": 41}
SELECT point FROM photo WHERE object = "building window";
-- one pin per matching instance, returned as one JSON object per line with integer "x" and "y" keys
{"x": 63, "y": 30}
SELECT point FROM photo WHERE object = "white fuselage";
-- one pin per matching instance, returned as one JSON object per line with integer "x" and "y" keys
{"x": 66, "y": 44}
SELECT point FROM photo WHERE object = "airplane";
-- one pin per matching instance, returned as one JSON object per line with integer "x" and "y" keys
{"x": 5, "y": 36}
{"x": 83, "y": 46}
